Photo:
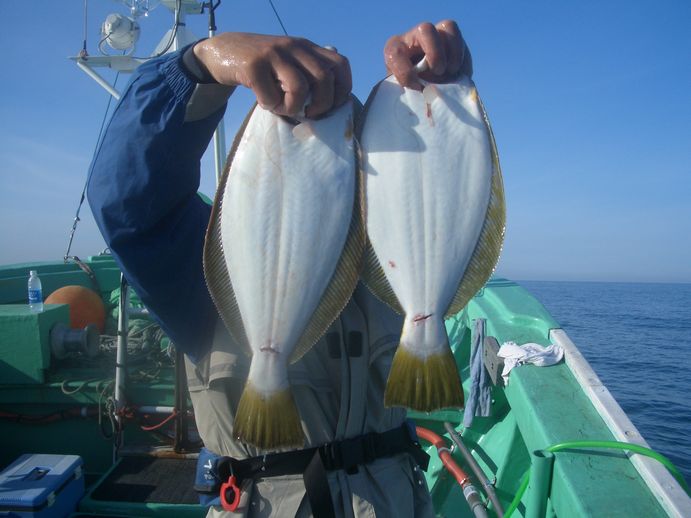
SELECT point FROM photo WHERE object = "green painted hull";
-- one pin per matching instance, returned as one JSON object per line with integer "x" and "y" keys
{"x": 538, "y": 408}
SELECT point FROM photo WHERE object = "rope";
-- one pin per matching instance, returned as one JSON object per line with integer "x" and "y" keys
{"x": 86, "y": 269}
{"x": 161, "y": 424}
{"x": 80, "y": 385}
{"x": 104, "y": 409}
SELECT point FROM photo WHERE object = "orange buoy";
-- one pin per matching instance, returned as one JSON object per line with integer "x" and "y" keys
{"x": 86, "y": 307}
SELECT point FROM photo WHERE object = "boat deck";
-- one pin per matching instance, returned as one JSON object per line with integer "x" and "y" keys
{"x": 538, "y": 408}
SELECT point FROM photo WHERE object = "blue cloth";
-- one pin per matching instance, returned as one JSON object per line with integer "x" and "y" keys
{"x": 206, "y": 481}
{"x": 143, "y": 194}
{"x": 480, "y": 399}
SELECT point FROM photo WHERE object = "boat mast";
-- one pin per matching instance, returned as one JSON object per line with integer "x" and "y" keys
{"x": 220, "y": 133}
{"x": 174, "y": 39}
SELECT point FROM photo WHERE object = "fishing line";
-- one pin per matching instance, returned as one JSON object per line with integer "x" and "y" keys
{"x": 76, "y": 221}
{"x": 278, "y": 17}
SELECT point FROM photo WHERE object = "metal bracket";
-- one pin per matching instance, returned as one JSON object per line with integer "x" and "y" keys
{"x": 493, "y": 363}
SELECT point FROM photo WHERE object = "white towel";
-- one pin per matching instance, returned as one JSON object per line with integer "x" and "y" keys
{"x": 536, "y": 354}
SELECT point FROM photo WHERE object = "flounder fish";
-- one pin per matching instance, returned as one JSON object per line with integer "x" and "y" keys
{"x": 435, "y": 222}
{"x": 282, "y": 254}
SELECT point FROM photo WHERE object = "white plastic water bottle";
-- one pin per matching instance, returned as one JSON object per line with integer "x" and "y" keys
{"x": 35, "y": 293}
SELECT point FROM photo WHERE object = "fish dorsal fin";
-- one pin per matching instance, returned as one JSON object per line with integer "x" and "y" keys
{"x": 345, "y": 277}
{"x": 484, "y": 259}
{"x": 215, "y": 267}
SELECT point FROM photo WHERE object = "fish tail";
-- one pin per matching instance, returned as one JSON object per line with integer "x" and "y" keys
{"x": 424, "y": 379}
{"x": 268, "y": 420}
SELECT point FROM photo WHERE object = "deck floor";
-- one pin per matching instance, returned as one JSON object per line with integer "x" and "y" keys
{"x": 150, "y": 480}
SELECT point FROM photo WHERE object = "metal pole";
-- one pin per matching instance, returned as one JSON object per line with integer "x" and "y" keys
{"x": 99, "y": 79}
{"x": 180, "y": 439}
{"x": 121, "y": 357}
{"x": 180, "y": 442}
{"x": 179, "y": 17}
{"x": 220, "y": 133}
{"x": 154, "y": 409}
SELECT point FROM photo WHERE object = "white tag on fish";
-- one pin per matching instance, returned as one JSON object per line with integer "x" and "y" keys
{"x": 303, "y": 131}
{"x": 430, "y": 92}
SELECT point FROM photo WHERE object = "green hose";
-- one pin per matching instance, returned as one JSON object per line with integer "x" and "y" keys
{"x": 616, "y": 445}
{"x": 517, "y": 499}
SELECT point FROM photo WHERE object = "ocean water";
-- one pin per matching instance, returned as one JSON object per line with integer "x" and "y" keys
{"x": 637, "y": 338}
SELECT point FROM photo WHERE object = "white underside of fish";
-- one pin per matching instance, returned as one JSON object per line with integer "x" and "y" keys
{"x": 282, "y": 254}
{"x": 286, "y": 212}
{"x": 428, "y": 163}
{"x": 428, "y": 183}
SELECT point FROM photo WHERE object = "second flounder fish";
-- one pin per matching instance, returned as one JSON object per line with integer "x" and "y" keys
{"x": 435, "y": 222}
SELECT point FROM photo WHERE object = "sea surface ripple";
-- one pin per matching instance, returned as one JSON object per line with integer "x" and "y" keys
{"x": 637, "y": 339}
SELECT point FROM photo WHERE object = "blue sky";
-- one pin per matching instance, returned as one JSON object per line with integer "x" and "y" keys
{"x": 589, "y": 102}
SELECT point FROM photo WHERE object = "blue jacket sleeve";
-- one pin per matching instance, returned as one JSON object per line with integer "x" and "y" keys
{"x": 143, "y": 194}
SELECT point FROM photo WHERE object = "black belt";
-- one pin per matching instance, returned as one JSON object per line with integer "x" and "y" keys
{"x": 314, "y": 463}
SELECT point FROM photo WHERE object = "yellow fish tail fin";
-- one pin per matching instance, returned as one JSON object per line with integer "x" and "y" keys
{"x": 423, "y": 379}
{"x": 268, "y": 420}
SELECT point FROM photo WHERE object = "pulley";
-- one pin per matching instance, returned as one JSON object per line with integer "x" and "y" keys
{"x": 64, "y": 340}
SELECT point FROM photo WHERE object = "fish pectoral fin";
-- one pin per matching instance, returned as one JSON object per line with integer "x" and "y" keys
{"x": 268, "y": 420}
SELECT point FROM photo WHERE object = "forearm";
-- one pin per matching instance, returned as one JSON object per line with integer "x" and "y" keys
{"x": 208, "y": 96}
{"x": 143, "y": 193}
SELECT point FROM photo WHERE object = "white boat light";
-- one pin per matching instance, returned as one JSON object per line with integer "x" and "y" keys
{"x": 120, "y": 32}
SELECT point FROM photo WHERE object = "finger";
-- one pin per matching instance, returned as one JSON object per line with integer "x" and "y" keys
{"x": 320, "y": 79}
{"x": 453, "y": 44}
{"x": 294, "y": 86}
{"x": 343, "y": 79}
{"x": 397, "y": 59}
{"x": 430, "y": 42}
{"x": 322, "y": 93}
{"x": 262, "y": 81}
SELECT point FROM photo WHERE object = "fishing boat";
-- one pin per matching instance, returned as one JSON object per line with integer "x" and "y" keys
{"x": 111, "y": 410}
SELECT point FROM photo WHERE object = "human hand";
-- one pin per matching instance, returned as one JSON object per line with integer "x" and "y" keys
{"x": 283, "y": 72}
{"x": 442, "y": 46}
